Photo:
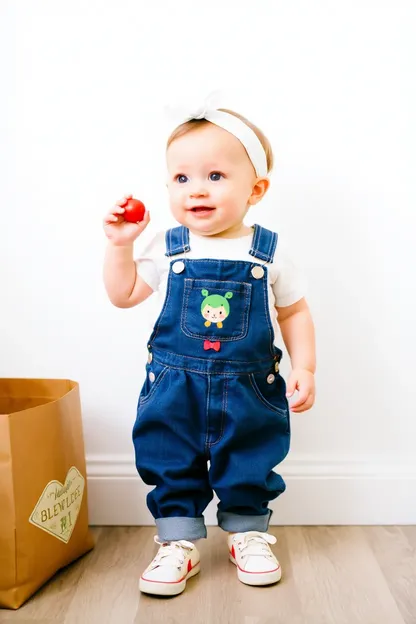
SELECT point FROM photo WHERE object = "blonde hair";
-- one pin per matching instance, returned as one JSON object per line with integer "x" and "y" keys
{"x": 194, "y": 124}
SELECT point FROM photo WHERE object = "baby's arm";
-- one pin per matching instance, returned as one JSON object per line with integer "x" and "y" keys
{"x": 298, "y": 334}
{"x": 125, "y": 288}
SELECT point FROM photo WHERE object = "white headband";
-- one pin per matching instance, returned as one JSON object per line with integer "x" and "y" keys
{"x": 228, "y": 122}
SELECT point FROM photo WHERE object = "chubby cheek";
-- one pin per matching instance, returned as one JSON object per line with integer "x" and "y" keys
{"x": 176, "y": 203}
{"x": 230, "y": 201}
{"x": 222, "y": 195}
{"x": 176, "y": 194}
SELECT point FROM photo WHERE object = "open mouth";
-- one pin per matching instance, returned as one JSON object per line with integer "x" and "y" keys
{"x": 202, "y": 209}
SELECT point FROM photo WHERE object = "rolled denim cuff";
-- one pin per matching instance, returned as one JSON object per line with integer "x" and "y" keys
{"x": 178, "y": 527}
{"x": 235, "y": 523}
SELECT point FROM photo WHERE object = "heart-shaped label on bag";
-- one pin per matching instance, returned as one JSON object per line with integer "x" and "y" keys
{"x": 57, "y": 510}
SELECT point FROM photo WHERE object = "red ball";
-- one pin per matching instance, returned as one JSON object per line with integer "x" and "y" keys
{"x": 134, "y": 210}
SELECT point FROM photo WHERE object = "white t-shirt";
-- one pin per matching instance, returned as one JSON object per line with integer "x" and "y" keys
{"x": 286, "y": 282}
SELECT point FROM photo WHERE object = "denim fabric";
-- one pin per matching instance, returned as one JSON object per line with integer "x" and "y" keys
{"x": 213, "y": 394}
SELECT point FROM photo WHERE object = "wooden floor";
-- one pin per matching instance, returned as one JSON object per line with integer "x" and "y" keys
{"x": 331, "y": 575}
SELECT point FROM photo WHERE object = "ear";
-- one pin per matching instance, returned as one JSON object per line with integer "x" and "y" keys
{"x": 259, "y": 190}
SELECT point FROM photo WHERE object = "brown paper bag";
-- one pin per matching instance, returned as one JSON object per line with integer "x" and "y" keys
{"x": 43, "y": 487}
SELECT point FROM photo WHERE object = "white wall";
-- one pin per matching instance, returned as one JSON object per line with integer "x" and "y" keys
{"x": 332, "y": 84}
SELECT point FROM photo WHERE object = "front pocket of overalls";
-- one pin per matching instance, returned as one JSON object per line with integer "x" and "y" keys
{"x": 151, "y": 384}
{"x": 271, "y": 395}
{"x": 218, "y": 310}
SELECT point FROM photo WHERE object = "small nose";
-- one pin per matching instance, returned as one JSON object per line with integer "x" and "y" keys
{"x": 198, "y": 190}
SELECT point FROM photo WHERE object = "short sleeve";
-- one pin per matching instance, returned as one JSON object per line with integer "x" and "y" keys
{"x": 149, "y": 260}
{"x": 290, "y": 283}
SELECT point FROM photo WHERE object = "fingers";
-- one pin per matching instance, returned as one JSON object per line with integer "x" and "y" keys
{"x": 292, "y": 384}
{"x": 117, "y": 211}
{"x": 302, "y": 406}
{"x": 146, "y": 218}
{"x": 113, "y": 216}
{"x": 110, "y": 218}
{"x": 303, "y": 381}
{"x": 303, "y": 395}
{"x": 118, "y": 229}
{"x": 291, "y": 387}
{"x": 144, "y": 223}
{"x": 304, "y": 401}
{"x": 123, "y": 201}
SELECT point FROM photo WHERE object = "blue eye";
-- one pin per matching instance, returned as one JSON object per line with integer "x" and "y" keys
{"x": 215, "y": 176}
{"x": 181, "y": 178}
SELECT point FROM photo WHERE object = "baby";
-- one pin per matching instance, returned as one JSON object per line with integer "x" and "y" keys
{"x": 213, "y": 393}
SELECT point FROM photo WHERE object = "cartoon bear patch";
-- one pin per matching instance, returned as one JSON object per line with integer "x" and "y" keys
{"x": 215, "y": 308}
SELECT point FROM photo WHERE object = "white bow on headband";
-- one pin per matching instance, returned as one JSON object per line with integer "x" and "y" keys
{"x": 193, "y": 108}
{"x": 209, "y": 110}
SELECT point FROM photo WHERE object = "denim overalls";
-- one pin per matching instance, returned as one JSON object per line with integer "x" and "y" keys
{"x": 213, "y": 392}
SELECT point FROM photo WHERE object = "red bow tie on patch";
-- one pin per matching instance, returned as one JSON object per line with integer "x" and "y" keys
{"x": 212, "y": 345}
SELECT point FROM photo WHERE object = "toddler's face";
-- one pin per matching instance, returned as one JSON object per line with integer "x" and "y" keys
{"x": 210, "y": 181}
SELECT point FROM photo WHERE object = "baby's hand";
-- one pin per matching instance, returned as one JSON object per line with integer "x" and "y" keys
{"x": 119, "y": 231}
{"x": 304, "y": 381}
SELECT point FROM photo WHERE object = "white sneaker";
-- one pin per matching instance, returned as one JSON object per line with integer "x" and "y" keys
{"x": 174, "y": 563}
{"x": 256, "y": 564}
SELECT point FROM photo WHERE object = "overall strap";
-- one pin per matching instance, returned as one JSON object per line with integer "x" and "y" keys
{"x": 264, "y": 243}
{"x": 177, "y": 240}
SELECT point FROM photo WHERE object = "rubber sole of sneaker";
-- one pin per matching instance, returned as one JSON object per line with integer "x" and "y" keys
{"x": 158, "y": 588}
{"x": 257, "y": 578}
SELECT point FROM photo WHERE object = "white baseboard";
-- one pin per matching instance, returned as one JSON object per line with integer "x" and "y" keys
{"x": 319, "y": 492}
